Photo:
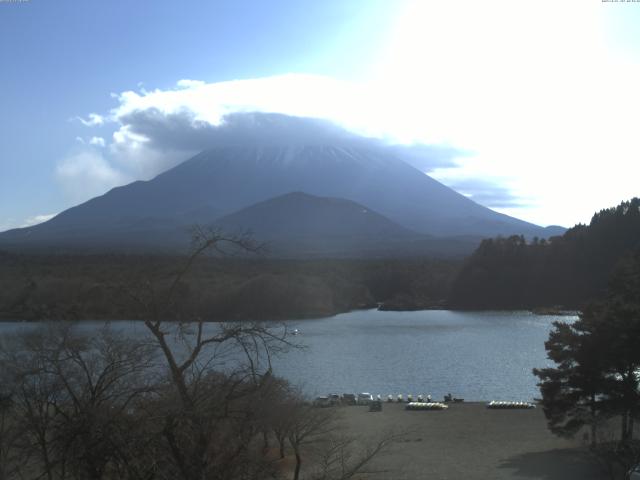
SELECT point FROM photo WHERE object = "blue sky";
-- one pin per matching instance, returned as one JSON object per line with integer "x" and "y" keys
{"x": 64, "y": 58}
{"x": 484, "y": 79}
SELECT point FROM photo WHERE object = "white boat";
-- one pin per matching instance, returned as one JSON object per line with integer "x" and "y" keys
{"x": 509, "y": 405}
{"x": 426, "y": 406}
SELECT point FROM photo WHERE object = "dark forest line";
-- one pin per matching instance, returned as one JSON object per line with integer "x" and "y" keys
{"x": 566, "y": 271}
{"x": 36, "y": 287}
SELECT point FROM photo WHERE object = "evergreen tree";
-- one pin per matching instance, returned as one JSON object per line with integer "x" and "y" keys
{"x": 571, "y": 392}
{"x": 597, "y": 373}
{"x": 567, "y": 271}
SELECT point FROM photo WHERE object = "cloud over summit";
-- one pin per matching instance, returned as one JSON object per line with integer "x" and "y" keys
{"x": 156, "y": 130}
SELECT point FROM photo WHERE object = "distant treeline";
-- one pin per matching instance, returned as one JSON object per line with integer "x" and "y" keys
{"x": 504, "y": 273}
{"x": 34, "y": 287}
{"x": 566, "y": 271}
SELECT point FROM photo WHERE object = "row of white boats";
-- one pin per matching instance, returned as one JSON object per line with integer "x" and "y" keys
{"x": 424, "y": 402}
{"x": 510, "y": 405}
{"x": 421, "y": 402}
{"x": 426, "y": 406}
{"x": 401, "y": 399}
{"x": 491, "y": 405}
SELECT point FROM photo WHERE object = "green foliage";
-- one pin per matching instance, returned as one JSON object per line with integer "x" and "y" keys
{"x": 571, "y": 392}
{"x": 565, "y": 271}
{"x": 597, "y": 372}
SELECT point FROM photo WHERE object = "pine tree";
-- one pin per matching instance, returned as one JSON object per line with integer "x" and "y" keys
{"x": 597, "y": 373}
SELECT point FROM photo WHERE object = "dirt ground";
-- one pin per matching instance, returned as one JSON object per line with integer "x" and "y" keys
{"x": 469, "y": 441}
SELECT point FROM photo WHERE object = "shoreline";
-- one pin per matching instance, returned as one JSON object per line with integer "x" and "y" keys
{"x": 316, "y": 316}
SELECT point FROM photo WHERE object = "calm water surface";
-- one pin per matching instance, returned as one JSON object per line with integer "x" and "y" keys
{"x": 474, "y": 355}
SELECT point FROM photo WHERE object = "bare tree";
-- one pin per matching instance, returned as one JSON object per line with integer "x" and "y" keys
{"x": 9, "y": 434}
{"x": 215, "y": 371}
{"x": 344, "y": 457}
{"x": 188, "y": 400}
{"x": 307, "y": 425}
{"x": 72, "y": 395}
{"x": 318, "y": 434}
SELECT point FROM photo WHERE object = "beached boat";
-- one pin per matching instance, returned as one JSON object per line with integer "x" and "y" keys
{"x": 426, "y": 406}
{"x": 510, "y": 405}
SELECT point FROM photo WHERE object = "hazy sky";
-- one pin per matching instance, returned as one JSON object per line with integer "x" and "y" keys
{"x": 536, "y": 102}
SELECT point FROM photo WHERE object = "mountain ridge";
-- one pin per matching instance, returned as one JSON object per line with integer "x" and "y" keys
{"x": 223, "y": 180}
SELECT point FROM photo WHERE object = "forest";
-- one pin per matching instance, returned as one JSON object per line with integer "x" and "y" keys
{"x": 594, "y": 382}
{"x": 565, "y": 271}
{"x": 96, "y": 286}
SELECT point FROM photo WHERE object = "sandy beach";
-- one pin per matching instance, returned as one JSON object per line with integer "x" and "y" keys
{"x": 469, "y": 441}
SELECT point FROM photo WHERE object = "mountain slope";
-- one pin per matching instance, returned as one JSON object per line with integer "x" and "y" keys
{"x": 297, "y": 224}
{"x": 225, "y": 179}
{"x": 298, "y": 214}
{"x": 234, "y": 177}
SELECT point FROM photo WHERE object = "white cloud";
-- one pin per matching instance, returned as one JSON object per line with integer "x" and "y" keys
{"x": 532, "y": 88}
{"x": 97, "y": 141}
{"x": 186, "y": 83}
{"x": 136, "y": 153}
{"x": 7, "y": 224}
{"x": 530, "y": 91}
{"x": 291, "y": 94}
{"x": 92, "y": 120}
{"x": 36, "y": 219}
{"x": 87, "y": 174}
{"x": 188, "y": 110}
{"x": 10, "y": 223}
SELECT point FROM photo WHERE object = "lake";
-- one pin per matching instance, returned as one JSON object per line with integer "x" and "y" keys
{"x": 473, "y": 355}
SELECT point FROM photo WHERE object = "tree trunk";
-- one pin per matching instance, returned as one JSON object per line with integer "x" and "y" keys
{"x": 176, "y": 374}
{"x": 624, "y": 426}
{"x": 594, "y": 421}
{"x": 296, "y": 474}
{"x": 47, "y": 462}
